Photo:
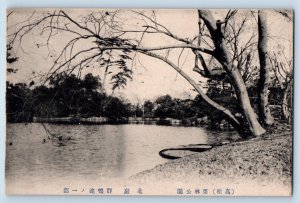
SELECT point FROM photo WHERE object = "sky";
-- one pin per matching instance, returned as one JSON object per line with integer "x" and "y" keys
{"x": 151, "y": 77}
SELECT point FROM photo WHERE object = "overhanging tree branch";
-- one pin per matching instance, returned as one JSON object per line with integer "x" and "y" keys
{"x": 166, "y": 47}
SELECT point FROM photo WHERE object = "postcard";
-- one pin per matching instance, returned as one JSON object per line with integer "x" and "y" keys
{"x": 183, "y": 102}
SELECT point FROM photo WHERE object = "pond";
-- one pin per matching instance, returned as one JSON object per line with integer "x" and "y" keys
{"x": 91, "y": 153}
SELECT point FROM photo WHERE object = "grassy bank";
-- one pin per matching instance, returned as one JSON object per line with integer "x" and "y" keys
{"x": 252, "y": 166}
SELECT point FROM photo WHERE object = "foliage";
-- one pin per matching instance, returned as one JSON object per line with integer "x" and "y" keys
{"x": 148, "y": 108}
{"x": 168, "y": 107}
{"x": 10, "y": 59}
{"x": 17, "y": 99}
{"x": 222, "y": 94}
{"x": 115, "y": 108}
{"x": 66, "y": 95}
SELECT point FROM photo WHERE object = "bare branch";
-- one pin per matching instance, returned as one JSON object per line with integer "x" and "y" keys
{"x": 137, "y": 48}
{"x": 285, "y": 14}
{"x": 9, "y": 13}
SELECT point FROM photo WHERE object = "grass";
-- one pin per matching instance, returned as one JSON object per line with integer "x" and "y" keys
{"x": 254, "y": 165}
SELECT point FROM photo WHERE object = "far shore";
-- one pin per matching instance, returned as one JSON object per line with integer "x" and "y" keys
{"x": 203, "y": 121}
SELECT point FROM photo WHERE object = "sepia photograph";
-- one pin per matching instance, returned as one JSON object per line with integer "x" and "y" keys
{"x": 177, "y": 102}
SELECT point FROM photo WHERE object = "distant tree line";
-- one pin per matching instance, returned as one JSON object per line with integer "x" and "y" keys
{"x": 68, "y": 95}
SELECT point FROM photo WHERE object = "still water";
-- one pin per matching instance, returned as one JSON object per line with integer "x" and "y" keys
{"x": 90, "y": 152}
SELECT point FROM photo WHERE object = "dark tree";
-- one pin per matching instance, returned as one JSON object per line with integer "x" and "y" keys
{"x": 148, "y": 108}
{"x": 18, "y": 103}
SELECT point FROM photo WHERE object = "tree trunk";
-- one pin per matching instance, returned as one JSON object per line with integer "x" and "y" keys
{"x": 251, "y": 121}
{"x": 286, "y": 106}
{"x": 251, "y": 124}
{"x": 264, "y": 80}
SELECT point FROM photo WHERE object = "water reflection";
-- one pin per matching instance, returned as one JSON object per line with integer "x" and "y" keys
{"x": 91, "y": 152}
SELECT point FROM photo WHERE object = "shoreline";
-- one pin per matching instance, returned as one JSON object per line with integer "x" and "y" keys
{"x": 203, "y": 121}
{"x": 257, "y": 166}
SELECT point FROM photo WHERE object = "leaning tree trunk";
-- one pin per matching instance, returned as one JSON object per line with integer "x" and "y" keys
{"x": 264, "y": 80}
{"x": 251, "y": 125}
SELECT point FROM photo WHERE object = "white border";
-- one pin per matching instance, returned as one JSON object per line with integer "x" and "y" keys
{"x": 292, "y": 4}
